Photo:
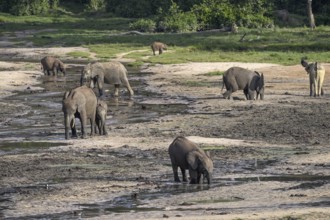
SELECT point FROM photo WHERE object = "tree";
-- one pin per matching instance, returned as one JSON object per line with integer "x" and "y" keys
{"x": 310, "y": 14}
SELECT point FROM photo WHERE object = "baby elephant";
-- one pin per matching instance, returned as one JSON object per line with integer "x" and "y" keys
{"x": 100, "y": 118}
{"x": 187, "y": 155}
{"x": 53, "y": 64}
{"x": 158, "y": 46}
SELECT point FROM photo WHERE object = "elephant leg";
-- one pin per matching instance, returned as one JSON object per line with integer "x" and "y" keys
{"x": 184, "y": 176}
{"x": 105, "y": 132}
{"x": 116, "y": 90}
{"x": 315, "y": 88}
{"x": 83, "y": 122}
{"x": 246, "y": 93}
{"x": 227, "y": 94}
{"x": 128, "y": 86}
{"x": 160, "y": 51}
{"x": 199, "y": 177}
{"x": 193, "y": 176}
{"x": 96, "y": 125}
{"x": 54, "y": 71}
{"x": 311, "y": 89}
{"x": 175, "y": 173}
{"x": 322, "y": 92}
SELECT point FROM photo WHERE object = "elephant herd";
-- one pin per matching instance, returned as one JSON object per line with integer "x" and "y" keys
{"x": 82, "y": 103}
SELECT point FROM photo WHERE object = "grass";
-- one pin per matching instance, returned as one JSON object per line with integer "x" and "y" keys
{"x": 79, "y": 54}
{"x": 105, "y": 36}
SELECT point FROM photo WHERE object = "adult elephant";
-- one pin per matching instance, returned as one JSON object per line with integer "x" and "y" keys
{"x": 112, "y": 72}
{"x": 79, "y": 103}
{"x": 316, "y": 74}
{"x": 53, "y": 64}
{"x": 188, "y": 156}
{"x": 251, "y": 82}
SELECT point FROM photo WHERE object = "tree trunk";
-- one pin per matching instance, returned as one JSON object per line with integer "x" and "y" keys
{"x": 310, "y": 14}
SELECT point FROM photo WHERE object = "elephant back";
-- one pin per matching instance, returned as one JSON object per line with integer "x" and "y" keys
{"x": 85, "y": 96}
{"x": 48, "y": 62}
{"x": 114, "y": 73}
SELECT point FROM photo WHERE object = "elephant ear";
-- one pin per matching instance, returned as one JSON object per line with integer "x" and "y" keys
{"x": 66, "y": 94}
{"x": 193, "y": 159}
{"x": 96, "y": 69}
{"x": 57, "y": 63}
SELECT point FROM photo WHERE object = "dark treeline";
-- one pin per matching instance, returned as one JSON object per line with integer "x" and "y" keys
{"x": 202, "y": 13}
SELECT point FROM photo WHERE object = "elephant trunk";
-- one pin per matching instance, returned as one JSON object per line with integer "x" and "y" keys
{"x": 82, "y": 80}
{"x": 68, "y": 123}
{"x": 208, "y": 177}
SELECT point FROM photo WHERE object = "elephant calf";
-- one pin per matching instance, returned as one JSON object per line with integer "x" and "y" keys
{"x": 316, "y": 77}
{"x": 187, "y": 155}
{"x": 158, "y": 46}
{"x": 101, "y": 115}
{"x": 237, "y": 78}
{"x": 79, "y": 103}
{"x": 53, "y": 64}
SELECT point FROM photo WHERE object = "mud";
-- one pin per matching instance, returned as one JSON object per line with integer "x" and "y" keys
{"x": 271, "y": 157}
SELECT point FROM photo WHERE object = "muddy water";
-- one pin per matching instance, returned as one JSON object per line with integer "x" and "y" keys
{"x": 40, "y": 118}
{"x": 41, "y": 115}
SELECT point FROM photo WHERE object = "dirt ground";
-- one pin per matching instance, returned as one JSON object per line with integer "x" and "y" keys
{"x": 271, "y": 157}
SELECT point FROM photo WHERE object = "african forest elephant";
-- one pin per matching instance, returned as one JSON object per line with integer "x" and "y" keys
{"x": 53, "y": 64}
{"x": 237, "y": 78}
{"x": 79, "y": 103}
{"x": 158, "y": 46}
{"x": 316, "y": 77}
{"x": 187, "y": 155}
{"x": 112, "y": 72}
{"x": 101, "y": 115}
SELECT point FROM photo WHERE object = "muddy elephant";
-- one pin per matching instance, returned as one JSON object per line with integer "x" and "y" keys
{"x": 187, "y": 155}
{"x": 100, "y": 118}
{"x": 158, "y": 46}
{"x": 251, "y": 82}
{"x": 53, "y": 64}
{"x": 316, "y": 77}
{"x": 79, "y": 103}
{"x": 113, "y": 73}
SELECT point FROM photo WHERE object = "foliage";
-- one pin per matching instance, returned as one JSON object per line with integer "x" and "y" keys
{"x": 175, "y": 20}
{"x": 222, "y": 13}
{"x": 95, "y": 5}
{"x": 143, "y": 25}
{"x": 28, "y": 7}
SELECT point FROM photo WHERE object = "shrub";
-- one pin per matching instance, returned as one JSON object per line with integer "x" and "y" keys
{"x": 143, "y": 25}
{"x": 177, "y": 21}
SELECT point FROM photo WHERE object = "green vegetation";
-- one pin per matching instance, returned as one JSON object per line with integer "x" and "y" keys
{"x": 215, "y": 73}
{"x": 79, "y": 54}
{"x": 107, "y": 36}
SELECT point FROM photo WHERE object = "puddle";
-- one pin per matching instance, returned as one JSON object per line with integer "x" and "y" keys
{"x": 285, "y": 178}
{"x": 25, "y": 147}
{"x": 41, "y": 116}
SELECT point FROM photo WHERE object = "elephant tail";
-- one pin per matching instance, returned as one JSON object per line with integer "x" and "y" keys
{"x": 223, "y": 85}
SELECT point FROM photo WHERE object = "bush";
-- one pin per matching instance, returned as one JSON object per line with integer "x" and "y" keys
{"x": 143, "y": 25}
{"x": 27, "y": 7}
{"x": 177, "y": 21}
